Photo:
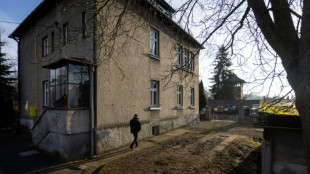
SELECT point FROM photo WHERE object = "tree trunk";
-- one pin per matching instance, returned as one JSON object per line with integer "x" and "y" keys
{"x": 294, "y": 53}
{"x": 300, "y": 82}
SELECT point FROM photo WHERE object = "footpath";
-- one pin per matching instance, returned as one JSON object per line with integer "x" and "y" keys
{"x": 95, "y": 164}
{"x": 13, "y": 161}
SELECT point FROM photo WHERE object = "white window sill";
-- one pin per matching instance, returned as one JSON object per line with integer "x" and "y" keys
{"x": 154, "y": 57}
{"x": 192, "y": 107}
{"x": 179, "y": 108}
{"x": 154, "y": 108}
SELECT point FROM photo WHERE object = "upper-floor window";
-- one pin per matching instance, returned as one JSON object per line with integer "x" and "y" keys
{"x": 69, "y": 86}
{"x": 186, "y": 59}
{"x": 192, "y": 62}
{"x": 154, "y": 43}
{"x": 179, "y": 54}
{"x": 180, "y": 95}
{"x": 52, "y": 41}
{"x": 84, "y": 21}
{"x": 154, "y": 93}
{"x": 192, "y": 96}
{"x": 65, "y": 33}
{"x": 45, "y": 46}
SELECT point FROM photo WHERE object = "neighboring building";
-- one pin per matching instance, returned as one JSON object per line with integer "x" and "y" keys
{"x": 237, "y": 85}
{"x": 79, "y": 85}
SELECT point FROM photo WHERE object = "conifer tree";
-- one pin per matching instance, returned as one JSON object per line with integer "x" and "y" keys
{"x": 7, "y": 91}
{"x": 221, "y": 89}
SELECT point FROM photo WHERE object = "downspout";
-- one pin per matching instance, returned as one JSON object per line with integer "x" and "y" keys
{"x": 18, "y": 81}
{"x": 93, "y": 90}
{"x": 36, "y": 70}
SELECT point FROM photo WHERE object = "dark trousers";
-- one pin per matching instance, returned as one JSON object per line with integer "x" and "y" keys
{"x": 135, "y": 134}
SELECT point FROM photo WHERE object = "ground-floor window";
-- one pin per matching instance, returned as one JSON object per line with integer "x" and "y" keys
{"x": 180, "y": 96}
{"x": 192, "y": 97}
{"x": 154, "y": 93}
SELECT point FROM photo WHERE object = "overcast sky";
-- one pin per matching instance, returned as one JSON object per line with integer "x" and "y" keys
{"x": 13, "y": 12}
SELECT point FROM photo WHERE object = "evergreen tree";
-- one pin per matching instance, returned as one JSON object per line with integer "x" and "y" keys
{"x": 7, "y": 91}
{"x": 202, "y": 96}
{"x": 221, "y": 89}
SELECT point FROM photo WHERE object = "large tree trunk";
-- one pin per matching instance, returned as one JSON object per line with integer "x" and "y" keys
{"x": 300, "y": 82}
{"x": 294, "y": 51}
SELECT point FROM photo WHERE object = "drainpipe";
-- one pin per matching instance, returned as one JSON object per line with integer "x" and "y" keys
{"x": 18, "y": 81}
{"x": 36, "y": 70}
{"x": 93, "y": 90}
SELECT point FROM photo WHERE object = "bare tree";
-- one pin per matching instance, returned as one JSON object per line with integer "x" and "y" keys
{"x": 274, "y": 31}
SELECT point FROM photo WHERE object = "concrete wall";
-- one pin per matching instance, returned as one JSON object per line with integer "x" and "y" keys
{"x": 117, "y": 136}
{"x": 283, "y": 151}
{"x": 65, "y": 132}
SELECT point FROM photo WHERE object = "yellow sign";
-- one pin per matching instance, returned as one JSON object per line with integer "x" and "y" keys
{"x": 33, "y": 111}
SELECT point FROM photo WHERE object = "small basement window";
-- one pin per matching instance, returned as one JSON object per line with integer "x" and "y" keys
{"x": 155, "y": 130}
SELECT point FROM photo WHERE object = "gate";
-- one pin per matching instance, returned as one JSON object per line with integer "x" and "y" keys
{"x": 224, "y": 116}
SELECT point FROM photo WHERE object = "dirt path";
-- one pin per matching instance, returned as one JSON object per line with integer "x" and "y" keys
{"x": 229, "y": 149}
{"x": 207, "y": 147}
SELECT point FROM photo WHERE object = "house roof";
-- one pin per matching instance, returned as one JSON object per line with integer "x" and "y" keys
{"x": 66, "y": 60}
{"x": 47, "y": 5}
{"x": 235, "y": 79}
{"x": 36, "y": 14}
{"x": 166, "y": 5}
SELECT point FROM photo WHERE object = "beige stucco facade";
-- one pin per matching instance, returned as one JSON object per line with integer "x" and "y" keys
{"x": 120, "y": 82}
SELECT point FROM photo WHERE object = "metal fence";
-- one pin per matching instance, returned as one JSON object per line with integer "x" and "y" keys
{"x": 224, "y": 116}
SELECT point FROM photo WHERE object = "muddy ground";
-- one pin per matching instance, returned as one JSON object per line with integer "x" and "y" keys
{"x": 234, "y": 148}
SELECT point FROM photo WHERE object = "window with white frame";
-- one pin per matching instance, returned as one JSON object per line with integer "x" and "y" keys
{"x": 45, "y": 46}
{"x": 45, "y": 93}
{"x": 186, "y": 59}
{"x": 192, "y": 97}
{"x": 154, "y": 93}
{"x": 192, "y": 62}
{"x": 180, "y": 96}
{"x": 179, "y": 54}
{"x": 154, "y": 43}
{"x": 65, "y": 33}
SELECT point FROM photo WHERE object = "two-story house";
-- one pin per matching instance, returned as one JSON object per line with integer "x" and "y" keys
{"x": 87, "y": 66}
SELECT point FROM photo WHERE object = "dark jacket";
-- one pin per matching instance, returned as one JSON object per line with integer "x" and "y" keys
{"x": 135, "y": 125}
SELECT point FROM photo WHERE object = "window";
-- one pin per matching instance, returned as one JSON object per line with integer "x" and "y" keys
{"x": 154, "y": 43}
{"x": 65, "y": 33}
{"x": 179, "y": 53}
{"x": 45, "y": 46}
{"x": 192, "y": 97}
{"x": 45, "y": 93}
{"x": 52, "y": 41}
{"x": 69, "y": 86}
{"x": 192, "y": 62}
{"x": 186, "y": 59}
{"x": 180, "y": 96}
{"x": 84, "y": 21}
{"x": 154, "y": 93}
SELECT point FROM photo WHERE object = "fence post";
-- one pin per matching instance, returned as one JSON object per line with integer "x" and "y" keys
{"x": 241, "y": 114}
{"x": 208, "y": 113}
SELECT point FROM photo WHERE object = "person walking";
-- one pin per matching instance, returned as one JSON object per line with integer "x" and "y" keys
{"x": 135, "y": 127}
